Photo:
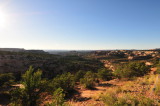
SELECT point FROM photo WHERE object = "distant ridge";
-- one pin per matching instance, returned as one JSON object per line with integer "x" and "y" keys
{"x": 12, "y": 49}
{"x": 21, "y": 50}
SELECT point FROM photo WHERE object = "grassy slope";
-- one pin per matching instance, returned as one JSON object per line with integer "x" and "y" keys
{"x": 139, "y": 87}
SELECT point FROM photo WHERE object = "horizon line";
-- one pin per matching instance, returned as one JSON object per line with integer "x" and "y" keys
{"x": 75, "y": 49}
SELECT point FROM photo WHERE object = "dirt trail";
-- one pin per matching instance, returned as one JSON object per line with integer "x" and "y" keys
{"x": 98, "y": 89}
{"x": 89, "y": 97}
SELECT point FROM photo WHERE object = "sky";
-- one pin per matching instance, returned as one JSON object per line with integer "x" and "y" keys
{"x": 80, "y": 24}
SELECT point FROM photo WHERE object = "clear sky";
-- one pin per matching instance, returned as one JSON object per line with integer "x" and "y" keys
{"x": 80, "y": 24}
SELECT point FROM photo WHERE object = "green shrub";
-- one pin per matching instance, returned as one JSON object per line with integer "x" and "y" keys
{"x": 158, "y": 68}
{"x": 64, "y": 81}
{"x": 58, "y": 98}
{"x": 155, "y": 62}
{"x": 89, "y": 80}
{"x": 133, "y": 69}
{"x": 29, "y": 95}
{"x": 104, "y": 74}
{"x": 6, "y": 79}
{"x": 156, "y": 87}
{"x": 80, "y": 74}
{"x": 17, "y": 96}
{"x": 111, "y": 99}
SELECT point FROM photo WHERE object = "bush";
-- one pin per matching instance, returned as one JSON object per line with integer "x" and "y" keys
{"x": 104, "y": 74}
{"x": 133, "y": 69}
{"x": 6, "y": 79}
{"x": 58, "y": 98}
{"x": 80, "y": 74}
{"x": 111, "y": 99}
{"x": 29, "y": 95}
{"x": 89, "y": 80}
{"x": 155, "y": 62}
{"x": 64, "y": 81}
{"x": 17, "y": 96}
{"x": 156, "y": 87}
{"x": 158, "y": 68}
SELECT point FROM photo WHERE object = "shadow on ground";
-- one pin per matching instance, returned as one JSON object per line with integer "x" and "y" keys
{"x": 106, "y": 85}
{"x": 4, "y": 99}
{"x": 80, "y": 99}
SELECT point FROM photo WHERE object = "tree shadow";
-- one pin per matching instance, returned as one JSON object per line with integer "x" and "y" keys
{"x": 80, "y": 99}
{"x": 4, "y": 99}
{"x": 73, "y": 94}
{"x": 76, "y": 96}
{"x": 92, "y": 88}
{"x": 106, "y": 85}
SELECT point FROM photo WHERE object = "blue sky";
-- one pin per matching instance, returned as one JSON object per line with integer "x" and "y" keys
{"x": 80, "y": 24}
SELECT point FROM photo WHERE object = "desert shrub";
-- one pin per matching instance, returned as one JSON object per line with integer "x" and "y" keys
{"x": 144, "y": 101}
{"x": 146, "y": 80}
{"x": 17, "y": 97}
{"x": 64, "y": 81}
{"x": 112, "y": 99}
{"x": 158, "y": 71}
{"x": 29, "y": 95}
{"x": 58, "y": 98}
{"x": 104, "y": 74}
{"x": 133, "y": 69}
{"x": 6, "y": 79}
{"x": 89, "y": 80}
{"x": 151, "y": 79}
{"x": 156, "y": 88}
{"x": 141, "y": 68}
{"x": 157, "y": 81}
{"x": 109, "y": 99}
{"x": 155, "y": 62}
{"x": 158, "y": 68}
{"x": 80, "y": 74}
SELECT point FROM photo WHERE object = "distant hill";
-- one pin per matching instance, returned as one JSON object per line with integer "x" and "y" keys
{"x": 21, "y": 50}
{"x": 12, "y": 49}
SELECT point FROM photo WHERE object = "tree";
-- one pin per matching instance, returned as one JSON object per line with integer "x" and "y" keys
{"x": 89, "y": 80}
{"x": 58, "y": 98}
{"x": 6, "y": 79}
{"x": 32, "y": 87}
{"x": 133, "y": 69}
{"x": 64, "y": 81}
{"x": 80, "y": 74}
{"x": 104, "y": 74}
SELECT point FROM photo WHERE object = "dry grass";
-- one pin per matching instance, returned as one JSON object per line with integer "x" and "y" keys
{"x": 129, "y": 92}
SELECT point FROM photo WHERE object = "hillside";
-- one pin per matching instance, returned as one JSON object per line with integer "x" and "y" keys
{"x": 79, "y": 78}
